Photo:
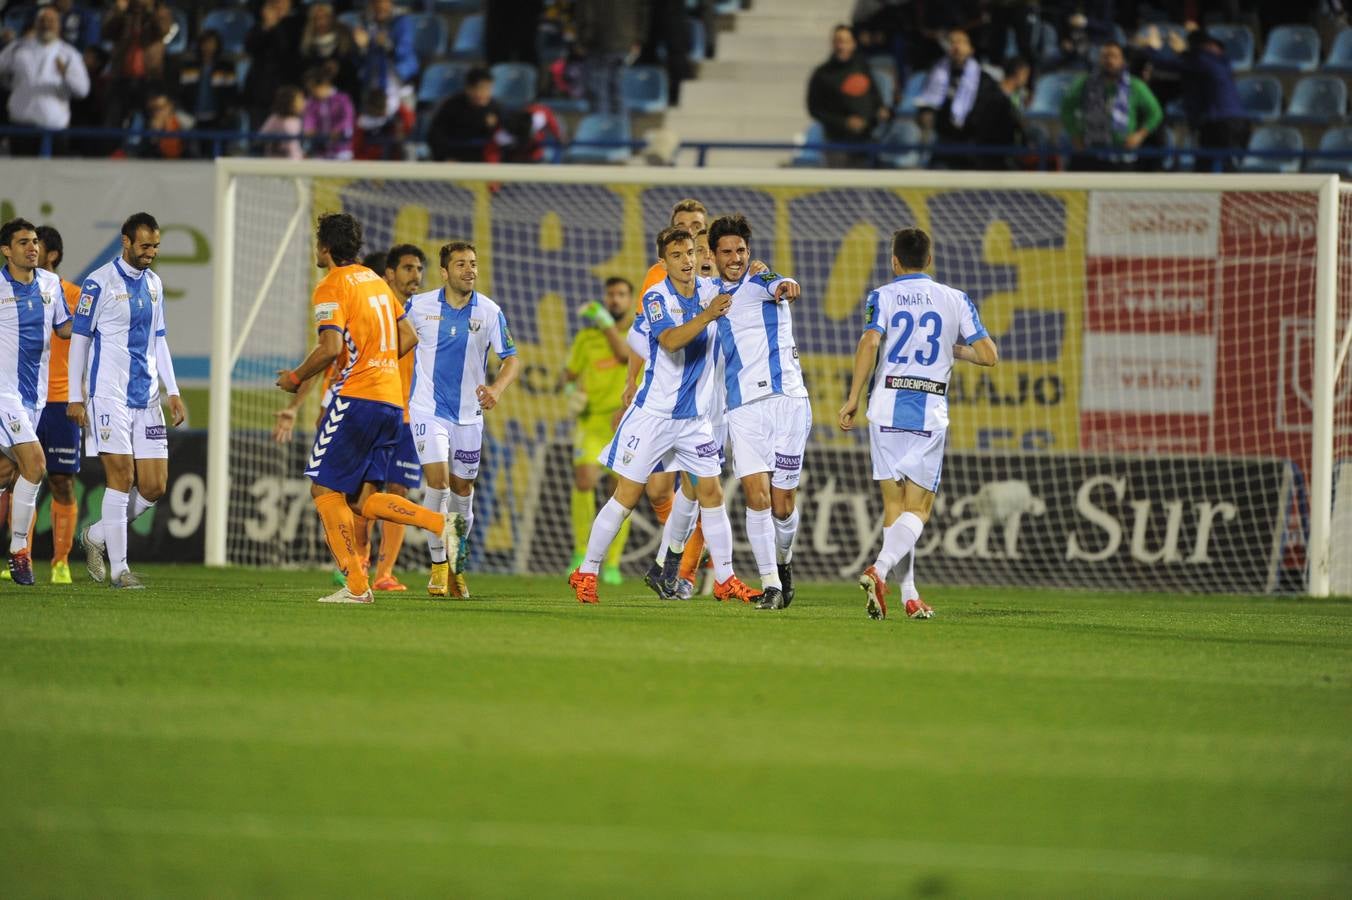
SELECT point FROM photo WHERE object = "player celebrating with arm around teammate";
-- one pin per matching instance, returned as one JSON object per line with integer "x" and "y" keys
{"x": 914, "y": 324}
{"x": 31, "y": 310}
{"x": 668, "y": 422}
{"x": 121, "y": 314}
{"x": 456, "y": 327}
{"x": 360, "y": 322}
{"x": 769, "y": 414}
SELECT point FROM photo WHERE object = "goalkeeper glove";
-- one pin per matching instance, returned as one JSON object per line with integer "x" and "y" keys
{"x": 577, "y": 400}
{"x": 596, "y": 315}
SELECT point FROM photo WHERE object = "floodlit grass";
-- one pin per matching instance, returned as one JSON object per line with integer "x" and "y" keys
{"x": 222, "y": 734}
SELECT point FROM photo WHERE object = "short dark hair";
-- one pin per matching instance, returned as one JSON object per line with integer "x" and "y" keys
{"x": 51, "y": 241}
{"x": 13, "y": 227}
{"x": 670, "y": 236}
{"x": 340, "y": 234}
{"x": 137, "y": 221}
{"x": 734, "y": 225}
{"x": 615, "y": 279}
{"x": 911, "y": 247}
{"x": 477, "y": 75}
{"x": 453, "y": 247}
{"x": 284, "y": 101}
{"x": 399, "y": 251}
{"x": 374, "y": 261}
{"x": 1015, "y": 63}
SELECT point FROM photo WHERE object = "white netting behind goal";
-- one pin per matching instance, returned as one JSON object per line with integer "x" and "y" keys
{"x": 1147, "y": 427}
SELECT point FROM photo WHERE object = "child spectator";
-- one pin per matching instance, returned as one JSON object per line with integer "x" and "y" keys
{"x": 329, "y": 118}
{"x": 287, "y": 108}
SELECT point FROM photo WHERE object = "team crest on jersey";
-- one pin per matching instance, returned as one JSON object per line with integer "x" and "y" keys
{"x": 475, "y": 325}
{"x": 628, "y": 458}
{"x": 15, "y": 425}
{"x": 105, "y": 433}
{"x": 46, "y": 298}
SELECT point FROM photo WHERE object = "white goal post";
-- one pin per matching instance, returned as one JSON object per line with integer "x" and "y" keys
{"x": 1171, "y": 410}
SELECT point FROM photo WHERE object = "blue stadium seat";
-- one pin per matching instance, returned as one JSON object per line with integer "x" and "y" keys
{"x": 577, "y": 105}
{"x": 180, "y": 42}
{"x": 18, "y": 18}
{"x": 469, "y": 39}
{"x": 549, "y": 43}
{"x": 514, "y": 84}
{"x": 915, "y": 86}
{"x": 900, "y": 143}
{"x": 1261, "y": 96}
{"x": 351, "y": 19}
{"x": 1047, "y": 45}
{"x": 884, "y": 78}
{"x": 430, "y": 36}
{"x": 1340, "y": 54}
{"x": 698, "y": 41}
{"x": 232, "y": 25}
{"x": 441, "y": 80}
{"x": 1317, "y": 100}
{"x": 1239, "y": 44}
{"x": 1047, "y": 95}
{"x": 727, "y": 7}
{"x": 807, "y": 156}
{"x": 599, "y": 127}
{"x": 1274, "y": 139}
{"x": 644, "y": 89}
{"x": 1291, "y": 48}
{"x": 1335, "y": 140}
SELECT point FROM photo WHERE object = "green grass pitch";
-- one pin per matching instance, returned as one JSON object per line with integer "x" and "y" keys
{"x": 223, "y": 735}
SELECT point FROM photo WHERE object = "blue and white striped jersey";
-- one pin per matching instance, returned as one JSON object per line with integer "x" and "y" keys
{"x": 920, "y": 321}
{"x": 756, "y": 339}
{"x": 28, "y": 315}
{"x": 451, "y": 358}
{"x": 121, "y": 311}
{"x": 683, "y": 384}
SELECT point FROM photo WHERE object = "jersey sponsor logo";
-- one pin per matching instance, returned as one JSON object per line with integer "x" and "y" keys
{"x": 785, "y": 461}
{"x": 911, "y": 383}
{"x": 888, "y": 429}
{"x": 325, "y": 312}
{"x": 431, "y": 318}
{"x": 468, "y": 457}
{"x": 709, "y": 448}
{"x": 156, "y": 433}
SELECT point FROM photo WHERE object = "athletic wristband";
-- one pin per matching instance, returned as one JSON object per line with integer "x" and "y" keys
{"x": 291, "y": 375}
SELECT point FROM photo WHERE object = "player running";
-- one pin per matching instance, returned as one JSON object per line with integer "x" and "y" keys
{"x": 916, "y": 323}
{"x": 360, "y": 321}
{"x": 595, "y": 376}
{"x": 769, "y": 414}
{"x": 121, "y": 314}
{"x": 32, "y": 308}
{"x": 456, "y": 327}
{"x": 668, "y": 423}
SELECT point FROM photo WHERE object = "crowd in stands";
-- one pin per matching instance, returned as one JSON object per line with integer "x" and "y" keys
{"x": 333, "y": 79}
{"x": 1106, "y": 85}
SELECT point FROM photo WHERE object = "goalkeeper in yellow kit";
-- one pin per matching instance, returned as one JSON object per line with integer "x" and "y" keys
{"x": 595, "y": 381}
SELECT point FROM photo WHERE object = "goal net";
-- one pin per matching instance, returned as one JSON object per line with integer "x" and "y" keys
{"x": 1154, "y": 422}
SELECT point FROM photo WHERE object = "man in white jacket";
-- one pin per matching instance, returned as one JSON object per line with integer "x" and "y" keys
{"x": 43, "y": 73}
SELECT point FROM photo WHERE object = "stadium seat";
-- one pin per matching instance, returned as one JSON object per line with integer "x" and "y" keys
{"x": 915, "y": 86}
{"x": 441, "y": 80}
{"x": 599, "y": 127}
{"x": 549, "y": 43}
{"x": 430, "y": 35}
{"x": 901, "y": 146}
{"x": 1239, "y": 44}
{"x": 1261, "y": 96}
{"x": 698, "y": 41}
{"x": 1047, "y": 45}
{"x": 232, "y": 25}
{"x": 644, "y": 89}
{"x": 514, "y": 84}
{"x": 884, "y": 78}
{"x": 1340, "y": 55}
{"x": 18, "y": 18}
{"x": 727, "y": 7}
{"x": 351, "y": 19}
{"x": 1317, "y": 100}
{"x": 1047, "y": 95}
{"x": 1335, "y": 140}
{"x": 806, "y": 155}
{"x": 575, "y": 105}
{"x": 469, "y": 39}
{"x": 180, "y": 42}
{"x": 1291, "y": 48}
{"x": 1274, "y": 139}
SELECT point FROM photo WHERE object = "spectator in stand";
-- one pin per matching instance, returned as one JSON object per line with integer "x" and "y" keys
{"x": 89, "y": 111}
{"x": 842, "y": 96}
{"x": 43, "y": 73}
{"x": 207, "y": 88}
{"x": 961, "y": 104}
{"x": 385, "y": 47}
{"x": 162, "y": 115}
{"x": 1210, "y": 98}
{"x": 1108, "y": 110}
{"x": 610, "y": 35}
{"x": 464, "y": 123}
{"x": 1014, "y": 84}
{"x": 137, "y": 63}
{"x": 524, "y": 135}
{"x": 273, "y": 47}
{"x": 329, "y": 118}
{"x": 168, "y": 26}
{"x": 507, "y": 36}
{"x": 380, "y": 134}
{"x": 325, "y": 39}
{"x": 669, "y": 30}
{"x": 79, "y": 24}
{"x": 287, "y": 108}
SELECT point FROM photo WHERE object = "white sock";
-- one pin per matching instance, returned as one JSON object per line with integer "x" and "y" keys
{"x": 908, "y": 591}
{"x": 760, "y": 533}
{"x": 680, "y": 525}
{"x": 136, "y": 505}
{"x": 718, "y": 538}
{"x": 899, "y": 539}
{"x": 465, "y": 506}
{"x": 785, "y": 531}
{"x": 435, "y": 500}
{"x": 23, "y": 503}
{"x": 604, "y": 528}
{"x": 114, "y": 524}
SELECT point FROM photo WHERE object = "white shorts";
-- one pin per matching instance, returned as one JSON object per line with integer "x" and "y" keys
{"x": 644, "y": 441}
{"x": 114, "y": 427}
{"x": 770, "y": 435}
{"x": 20, "y": 425}
{"x": 443, "y": 441}
{"x": 912, "y": 455}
